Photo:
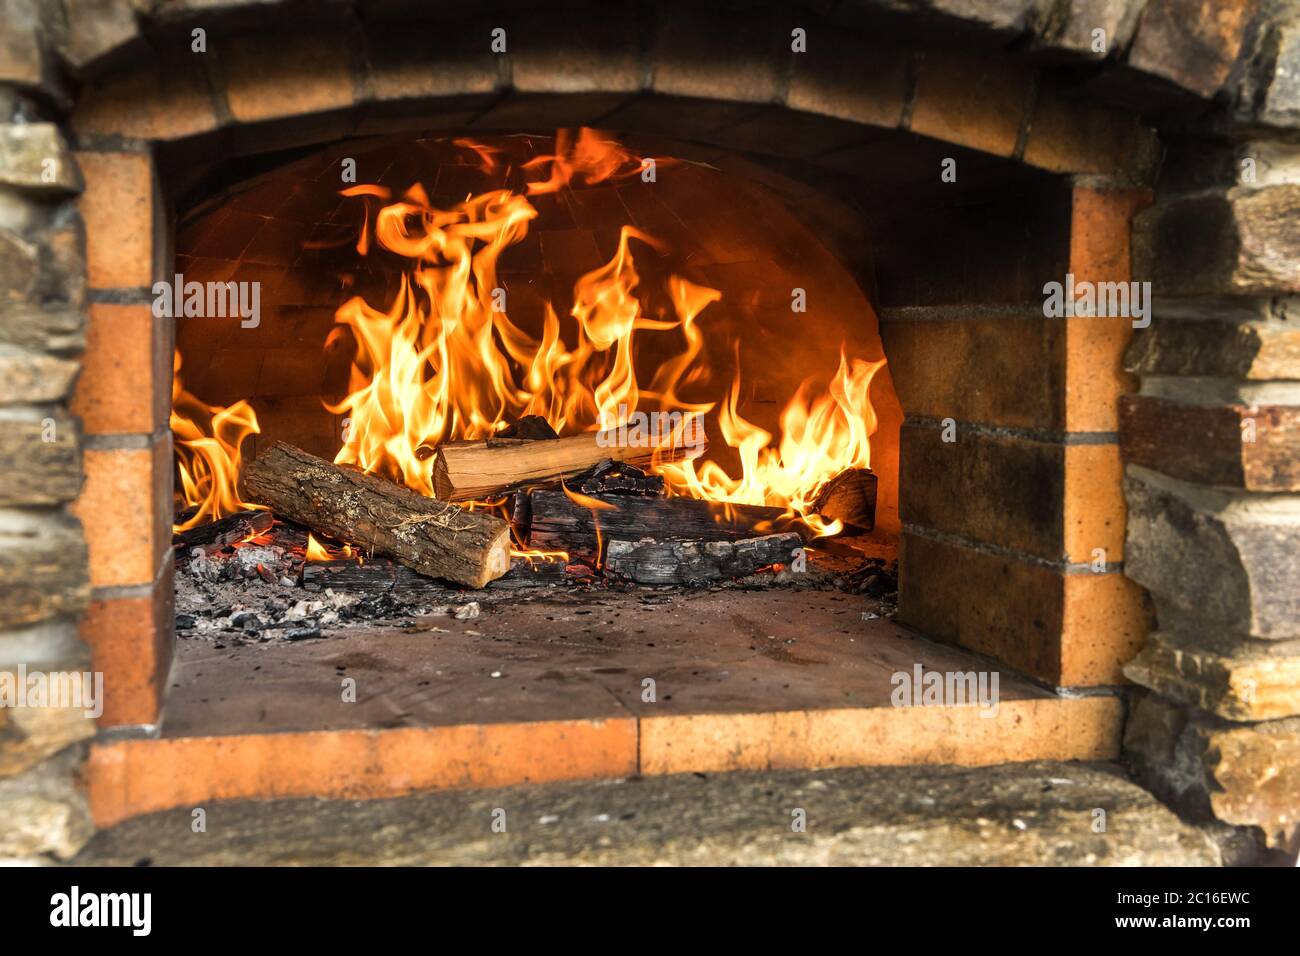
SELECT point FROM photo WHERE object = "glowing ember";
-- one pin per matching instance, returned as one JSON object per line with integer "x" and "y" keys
{"x": 207, "y": 440}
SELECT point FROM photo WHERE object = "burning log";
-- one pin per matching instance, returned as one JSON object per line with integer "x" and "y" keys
{"x": 559, "y": 522}
{"x": 433, "y": 537}
{"x": 650, "y": 561}
{"x": 464, "y": 471}
{"x": 850, "y": 497}
{"x": 231, "y": 529}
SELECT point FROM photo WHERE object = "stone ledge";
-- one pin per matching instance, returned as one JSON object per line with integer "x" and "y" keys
{"x": 1252, "y": 684}
{"x": 1250, "y": 351}
{"x": 1025, "y": 814}
{"x": 43, "y": 812}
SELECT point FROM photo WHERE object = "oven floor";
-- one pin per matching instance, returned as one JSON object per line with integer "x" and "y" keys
{"x": 553, "y": 687}
{"x": 728, "y": 652}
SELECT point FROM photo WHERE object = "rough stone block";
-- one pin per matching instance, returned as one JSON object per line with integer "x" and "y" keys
{"x": 1231, "y": 558}
{"x": 1254, "y": 351}
{"x": 1255, "y": 682}
{"x": 35, "y": 158}
{"x": 42, "y": 457}
{"x": 42, "y": 568}
{"x": 1252, "y": 447}
{"x": 1235, "y": 242}
{"x": 43, "y": 813}
{"x": 1191, "y": 43}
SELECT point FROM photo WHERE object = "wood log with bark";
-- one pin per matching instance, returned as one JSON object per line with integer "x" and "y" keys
{"x": 464, "y": 471}
{"x": 849, "y": 497}
{"x": 231, "y": 529}
{"x": 652, "y": 561}
{"x": 436, "y": 538}
{"x": 560, "y": 522}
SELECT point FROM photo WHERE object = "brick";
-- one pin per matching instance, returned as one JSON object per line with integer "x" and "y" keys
{"x": 998, "y": 369}
{"x": 1254, "y": 351}
{"x": 1093, "y": 502}
{"x": 1068, "y": 136}
{"x": 1229, "y": 558}
{"x": 1233, "y": 242}
{"x": 131, "y": 777}
{"x": 709, "y": 54}
{"x": 1066, "y": 629}
{"x": 35, "y": 158}
{"x": 590, "y": 52}
{"x": 126, "y": 509}
{"x": 1206, "y": 443}
{"x": 411, "y": 61}
{"x": 118, "y": 208}
{"x": 1095, "y": 379}
{"x": 267, "y": 79}
{"x": 1191, "y": 43}
{"x": 1000, "y": 490}
{"x": 842, "y": 77}
{"x": 164, "y": 102}
{"x": 1253, "y": 682}
{"x": 118, "y": 391}
{"x": 1084, "y": 728}
{"x": 971, "y": 101}
{"x": 42, "y": 456}
{"x": 131, "y": 644}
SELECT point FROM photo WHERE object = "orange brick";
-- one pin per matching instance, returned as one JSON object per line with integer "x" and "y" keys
{"x": 1099, "y": 252}
{"x": 265, "y": 78}
{"x": 125, "y": 509}
{"x": 117, "y": 391}
{"x": 1067, "y": 136}
{"x": 127, "y": 778}
{"x": 1105, "y": 622}
{"x": 1094, "y": 502}
{"x": 118, "y": 208}
{"x": 131, "y": 644}
{"x": 1036, "y": 729}
{"x": 971, "y": 101}
{"x": 163, "y": 103}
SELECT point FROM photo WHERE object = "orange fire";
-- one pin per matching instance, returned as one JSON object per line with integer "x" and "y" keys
{"x": 445, "y": 361}
{"x": 207, "y": 440}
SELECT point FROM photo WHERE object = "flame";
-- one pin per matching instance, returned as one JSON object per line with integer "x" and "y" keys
{"x": 315, "y": 550}
{"x": 444, "y": 360}
{"x": 820, "y": 437}
{"x": 207, "y": 441}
